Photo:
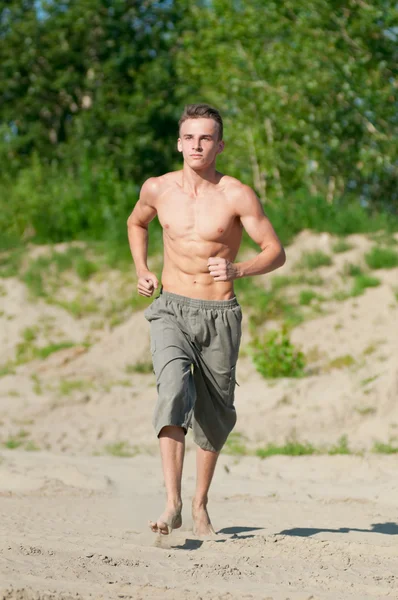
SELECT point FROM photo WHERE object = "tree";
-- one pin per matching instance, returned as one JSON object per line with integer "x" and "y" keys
{"x": 308, "y": 93}
{"x": 94, "y": 76}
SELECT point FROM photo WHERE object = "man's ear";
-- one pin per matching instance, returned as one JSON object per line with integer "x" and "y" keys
{"x": 221, "y": 146}
{"x": 179, "y": 145}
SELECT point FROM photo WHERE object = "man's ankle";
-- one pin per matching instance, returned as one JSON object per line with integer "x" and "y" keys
{"x": 199, "y": 501}
{"x": 174, "y": 503}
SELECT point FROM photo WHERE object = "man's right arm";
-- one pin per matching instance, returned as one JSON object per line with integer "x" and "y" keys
{"x": 137, "y": 226}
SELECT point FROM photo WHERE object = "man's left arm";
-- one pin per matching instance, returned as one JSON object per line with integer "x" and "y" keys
{"x": 259, "y": 228}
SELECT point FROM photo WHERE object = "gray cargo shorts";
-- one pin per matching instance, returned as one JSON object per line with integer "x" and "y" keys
{"x": 195, "y": 346}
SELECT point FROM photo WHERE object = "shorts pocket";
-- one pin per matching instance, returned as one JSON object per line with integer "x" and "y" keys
{"x": 232, "y": 382}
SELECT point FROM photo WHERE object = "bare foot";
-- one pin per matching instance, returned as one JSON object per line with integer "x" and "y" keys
{"x": 169, "y": 520}
{"x": 201, "y": 520}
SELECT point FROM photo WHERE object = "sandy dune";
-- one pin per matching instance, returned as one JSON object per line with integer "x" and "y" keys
{"x": 74, "y": 519}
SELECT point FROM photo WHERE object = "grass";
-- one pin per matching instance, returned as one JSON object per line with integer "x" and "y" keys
{"x": 381, "y": 448}
{"x": 282, "y": 281}
{"x": 382, "y": 258}
{"x": 27, "y": 351}
{"x": 314, "y": 260}
{"x": 120, "y": 449}
{"x": 275, "y": 356}
{"x": 235, "y": 445}
{"x": 31, "y": 447}
{"x": 45, "y": 351}
{"x": 13, "y": 443}
{"x": 306, "y": 297}
{"x": 68, "y": 386}
{"x": 352, "y": 270}
{"x": 364, "y": 411}
{"x": 7, "y": 369}
{"x": 341, "y": 447}
{"x": 291, "y": 448}
{"x": 263, "y": 304}
{"x": 43, "y": 274}
{"x": 79, "y": 307}
{"x": 369, "y": 379}
{"x": 342, "y": 246}
{"x": 16, "y": 441}
{"x": 340, "y": 362}
{"x": 140, "y": 367}
{"x": 362, "y": 282}
{"x": 10, "y": 262}
{"x": 37, "y": 387}
{"x": 385, "y": 238}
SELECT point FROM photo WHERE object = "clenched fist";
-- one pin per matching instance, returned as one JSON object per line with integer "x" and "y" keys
{"x": 147, "y": 283}
{"x": 221, "y": 269}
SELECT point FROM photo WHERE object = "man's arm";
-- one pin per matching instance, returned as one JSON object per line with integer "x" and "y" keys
{"x": 259, "y": 228}
{"x": 137, "y": 227}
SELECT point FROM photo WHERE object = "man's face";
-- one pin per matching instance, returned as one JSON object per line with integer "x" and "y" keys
{"x": 199, "y": 142}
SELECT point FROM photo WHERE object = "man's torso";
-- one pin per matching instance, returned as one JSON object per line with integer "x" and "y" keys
{"x": 195, "y": 228}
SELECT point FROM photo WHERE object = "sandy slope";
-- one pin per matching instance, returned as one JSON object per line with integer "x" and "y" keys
{"x": 73, "y": 524}
{"x": 318, "y": 527}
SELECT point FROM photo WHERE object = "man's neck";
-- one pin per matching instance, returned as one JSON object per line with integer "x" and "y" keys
{"x": 198, "y": 181}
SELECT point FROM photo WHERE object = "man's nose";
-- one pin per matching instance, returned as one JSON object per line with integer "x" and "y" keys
{"x": 197, "y": 145}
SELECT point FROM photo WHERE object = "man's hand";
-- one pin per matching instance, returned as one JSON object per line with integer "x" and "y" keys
{"x": 222, "y": 269}
{"x": 147, "y": 283}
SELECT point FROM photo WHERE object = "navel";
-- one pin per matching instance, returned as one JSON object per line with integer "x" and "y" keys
{"x": 220, "y": 230}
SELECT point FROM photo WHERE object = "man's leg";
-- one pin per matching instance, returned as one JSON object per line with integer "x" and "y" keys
{"x": 172, "y": 449}
{"x": 205, "y": 465}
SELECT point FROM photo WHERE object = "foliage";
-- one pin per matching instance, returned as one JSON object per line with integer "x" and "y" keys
{"x": 361, "y": 282}
{"x": 342, "y": 246}
{"x": 315, "y": 259}
{"x": 92, "y": 92}
{"x": 382, "y": 258}
{"x": 308, "y": 89}
{"x": 306, "y": 296}
{"x": 291, "y": 448}
{"x": 341, "y": 447}
{"x": 275, "y": 355}
{"x": 89, "y": 76}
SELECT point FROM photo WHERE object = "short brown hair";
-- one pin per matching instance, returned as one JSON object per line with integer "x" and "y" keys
{"x": 198, "y": 111}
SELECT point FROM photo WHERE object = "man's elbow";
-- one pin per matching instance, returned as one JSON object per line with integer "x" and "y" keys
{"x": 280, "y": 257}
{"x": 131, "y": 221}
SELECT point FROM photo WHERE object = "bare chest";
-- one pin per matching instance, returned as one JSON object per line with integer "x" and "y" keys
{"x": 207, "y": 218}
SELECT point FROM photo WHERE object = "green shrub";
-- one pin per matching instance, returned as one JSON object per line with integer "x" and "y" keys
{"x": 306, "y": 296}
{"x": 341, "y": 447}
{"x": 301, "y": 210}
{"x": 313, "y": 260}
{"x": 362, "y": 282}
{"x": 352, "y": 270}
{"x": 382, "y": 258}
{"x": 264, "y": 304}
{"x": 342, "y": 246}
{"x": 382, "y": 448}
{"x": 275, "y": 356}
{"x": 340, "y": 362}
{"x": 292, "y": 448}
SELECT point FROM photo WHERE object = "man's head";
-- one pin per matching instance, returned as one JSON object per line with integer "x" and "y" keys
{"x": 201, "y": 132}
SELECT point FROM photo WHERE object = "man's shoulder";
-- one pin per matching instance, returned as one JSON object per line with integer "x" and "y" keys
{"x": 234, "y": 187}
{"x": 157, "y": 185}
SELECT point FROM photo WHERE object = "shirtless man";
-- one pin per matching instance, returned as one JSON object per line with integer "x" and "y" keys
{"x": 196, "y": 319}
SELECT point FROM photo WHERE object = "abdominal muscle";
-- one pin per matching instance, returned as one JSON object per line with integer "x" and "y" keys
{"x": 185, "y": 271}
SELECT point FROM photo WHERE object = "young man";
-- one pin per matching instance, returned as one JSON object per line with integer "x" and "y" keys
{"x": 196, "y": 319}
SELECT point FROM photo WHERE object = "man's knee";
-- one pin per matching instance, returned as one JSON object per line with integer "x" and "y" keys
{"x": 174, "y": 432}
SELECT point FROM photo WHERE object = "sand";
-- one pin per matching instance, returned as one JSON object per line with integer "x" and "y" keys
{"x": 74, "y": 518}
